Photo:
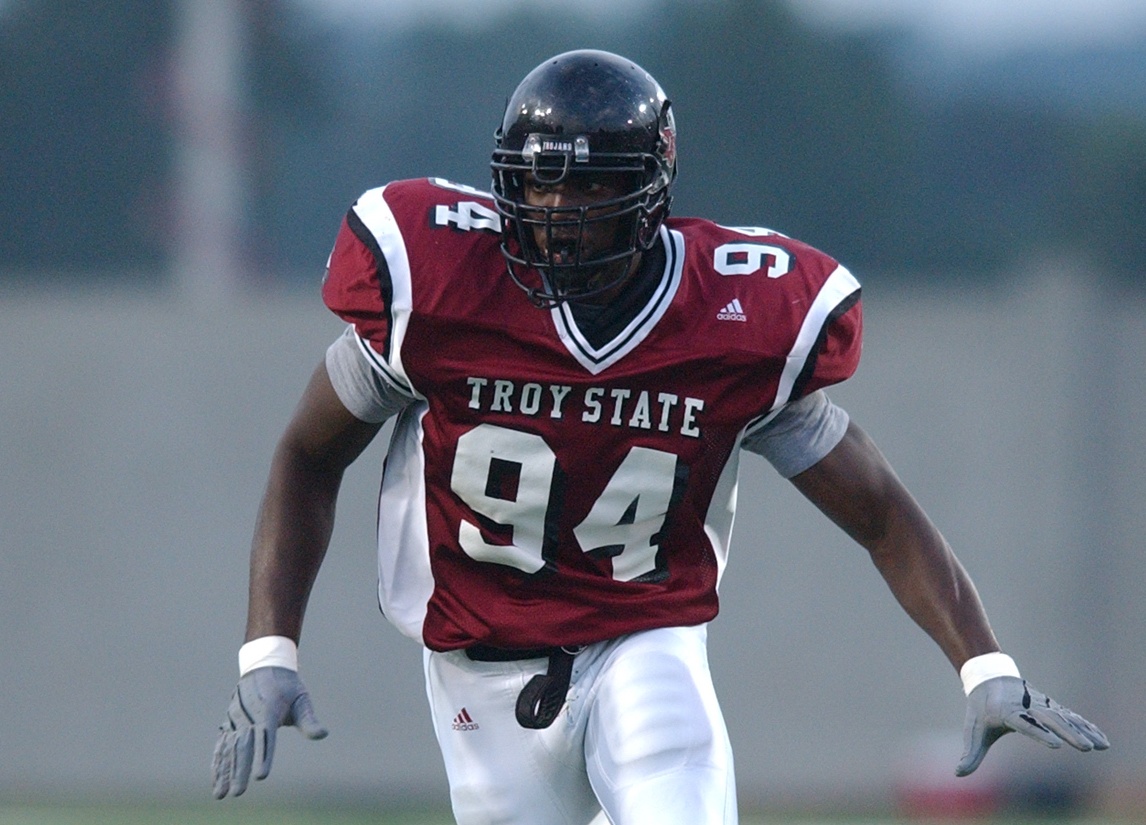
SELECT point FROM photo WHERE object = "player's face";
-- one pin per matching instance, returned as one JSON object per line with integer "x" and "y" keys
{"x": 596, "y": 233}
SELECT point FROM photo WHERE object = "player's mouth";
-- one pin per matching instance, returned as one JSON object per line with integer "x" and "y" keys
{"x": 564, "y": 254}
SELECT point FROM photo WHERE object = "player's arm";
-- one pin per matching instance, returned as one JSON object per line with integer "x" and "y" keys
{"x": 856, "y": 487}
{"x": 296, "y": 518}
{"x": 294, "y": 526}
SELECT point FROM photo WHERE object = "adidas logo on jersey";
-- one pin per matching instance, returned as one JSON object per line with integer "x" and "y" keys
{"x": 463, "y": 721}
{"x": 732, "y": 312}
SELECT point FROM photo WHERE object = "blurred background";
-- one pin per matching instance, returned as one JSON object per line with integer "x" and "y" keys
{"x": 172, "y": 175}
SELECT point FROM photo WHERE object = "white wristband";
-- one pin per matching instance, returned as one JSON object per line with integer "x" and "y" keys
{"x": 268, "y": 651}
{"x": 979, "y": 669}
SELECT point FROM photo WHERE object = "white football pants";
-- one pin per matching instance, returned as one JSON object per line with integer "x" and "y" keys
{"x": 641, "y": 737}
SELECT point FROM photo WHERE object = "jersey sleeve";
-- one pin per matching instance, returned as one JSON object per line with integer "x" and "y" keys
{"x": 829, "y": 341}
{"x": 836, "y": 352}
{"x": 359, "y": 284}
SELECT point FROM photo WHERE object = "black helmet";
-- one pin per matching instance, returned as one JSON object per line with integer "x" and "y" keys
{"x": 583, "y": 113}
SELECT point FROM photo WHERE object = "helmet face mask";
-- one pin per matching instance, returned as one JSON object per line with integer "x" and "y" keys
{"x": 584, "y": 248}
{"x": 597, "y": 127}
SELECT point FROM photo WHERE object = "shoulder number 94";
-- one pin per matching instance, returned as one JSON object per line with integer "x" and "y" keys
{"x": 512, "y": 481}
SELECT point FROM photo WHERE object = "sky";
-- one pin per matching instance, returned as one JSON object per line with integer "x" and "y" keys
{"x": 988, "y": 27}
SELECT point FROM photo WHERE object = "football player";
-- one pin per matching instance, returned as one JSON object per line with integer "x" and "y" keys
{"x": 573, "y": 374}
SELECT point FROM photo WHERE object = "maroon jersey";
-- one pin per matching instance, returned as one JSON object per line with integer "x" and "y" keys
{"x": 540, "y": 490}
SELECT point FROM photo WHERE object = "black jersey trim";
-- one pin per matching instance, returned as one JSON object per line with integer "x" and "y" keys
{"x": 384, "y": 369}
{"x": 381, "y": 267}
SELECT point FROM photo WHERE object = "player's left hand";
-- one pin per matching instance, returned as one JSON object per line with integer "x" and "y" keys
{"x": 265, "y": 699}
{"x": 1007, "y": 703}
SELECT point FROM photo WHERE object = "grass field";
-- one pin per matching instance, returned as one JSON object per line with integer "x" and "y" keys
{"x": 208, "y": 814}
{"x": 261, "y": 815}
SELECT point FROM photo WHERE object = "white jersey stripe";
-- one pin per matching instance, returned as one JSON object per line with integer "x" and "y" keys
{"x": 376, "y": 216}
{"x": 405, "y": 579}
{"x": 721, "y": 512}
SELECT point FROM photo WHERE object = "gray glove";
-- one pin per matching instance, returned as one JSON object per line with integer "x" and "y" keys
{"x": 265, "y": 699}
{"x": 1006, "y": 703}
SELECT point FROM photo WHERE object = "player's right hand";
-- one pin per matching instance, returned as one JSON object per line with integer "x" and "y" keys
{"x": 265, "y": 699}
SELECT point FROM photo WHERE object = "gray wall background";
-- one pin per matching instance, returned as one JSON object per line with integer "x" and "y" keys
{"x": 136, "y": 432}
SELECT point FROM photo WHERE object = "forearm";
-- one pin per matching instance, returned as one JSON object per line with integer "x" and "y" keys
{"x": 931, "y": 585}
{"x": 296, "y": 517}
{"x": 294, "y": 526}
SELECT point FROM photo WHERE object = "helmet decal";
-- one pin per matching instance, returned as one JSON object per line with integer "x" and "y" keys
{"x": 668, "y": 140}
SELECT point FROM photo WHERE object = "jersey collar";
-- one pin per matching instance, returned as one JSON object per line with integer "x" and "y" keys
{"x": 598, "y": 359}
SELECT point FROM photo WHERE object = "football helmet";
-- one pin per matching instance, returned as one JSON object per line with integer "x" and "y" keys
{"x": 578, "y": 116}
